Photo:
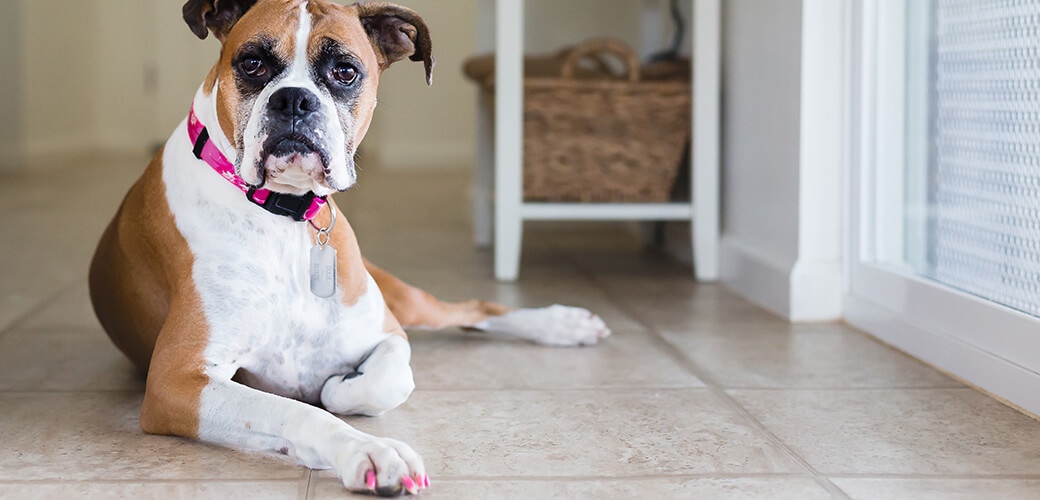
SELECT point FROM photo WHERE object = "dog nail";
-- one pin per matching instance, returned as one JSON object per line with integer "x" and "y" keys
{"x": 419, "y": 481}
{"x": 370, "y": 480}
{"x": 426, "y": 481}
{"x": 409, "y": 485}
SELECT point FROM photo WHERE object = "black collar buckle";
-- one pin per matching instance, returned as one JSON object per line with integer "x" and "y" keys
{"x": 289, "y": 205}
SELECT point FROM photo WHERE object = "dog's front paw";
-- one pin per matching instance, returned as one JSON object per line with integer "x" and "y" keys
{"x": 383, "y": 467}
{"x": 554, "y": 325}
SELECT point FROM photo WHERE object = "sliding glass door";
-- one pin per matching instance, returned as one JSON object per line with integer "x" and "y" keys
{"x": 945, "y": 185}
{"x": 972, "y": 175}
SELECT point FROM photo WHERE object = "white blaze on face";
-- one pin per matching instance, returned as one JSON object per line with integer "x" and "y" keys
{"x": 297, "y": 173}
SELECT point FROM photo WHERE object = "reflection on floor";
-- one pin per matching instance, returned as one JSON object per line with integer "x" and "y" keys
{"x": 698, "y": 394}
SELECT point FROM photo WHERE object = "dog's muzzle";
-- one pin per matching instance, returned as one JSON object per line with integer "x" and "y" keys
{"x": 293, "y": 129}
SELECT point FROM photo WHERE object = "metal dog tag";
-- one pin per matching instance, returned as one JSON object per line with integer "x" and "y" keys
{"x": 323, "y": 270}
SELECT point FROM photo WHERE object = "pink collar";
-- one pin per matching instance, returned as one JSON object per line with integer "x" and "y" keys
{"x": 300, "y": 208}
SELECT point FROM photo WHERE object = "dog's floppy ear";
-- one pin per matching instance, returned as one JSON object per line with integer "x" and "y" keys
{"x": 218, "y": 16}
{"x": 396, "y": 33}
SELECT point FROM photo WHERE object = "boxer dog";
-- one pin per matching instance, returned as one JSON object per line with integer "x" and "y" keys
{"x": 226, "y": 277}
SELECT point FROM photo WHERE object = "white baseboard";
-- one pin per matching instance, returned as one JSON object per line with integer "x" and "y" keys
{"x": 762, "y": 278}
{"x": 816, "y": 291}
{"x": 799, "y": 291}
{"x": 1003, "y": 379}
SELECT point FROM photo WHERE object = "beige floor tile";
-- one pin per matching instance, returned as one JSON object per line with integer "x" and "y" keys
{"x": 939, "y": 489}
{"x": 810, "y": 356}
{"x": 576, "y": 433}
{"x": 705, "y": 308}
{"x": 773, "y": 488}
{"x": 637, "y": 272}
{"x": 54, "y": 244}
{"x": 95, "y": 436}
{"x": 913, "y": 431}
{"x": 50, "y": 230}
{"x": 67, "y": 311}
{"x": 266, "y": 490}
{"x": 38, "y": 360}
{"x": 545, "y": 286}
{"x": 625, "y": 359}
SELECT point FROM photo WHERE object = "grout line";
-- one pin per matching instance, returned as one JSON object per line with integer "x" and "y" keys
{"x": 305, "y": 491}
{"x": 607, "y": 389}
{"x": 721, "y": 475}
{"x": 717, "y": 390}
{"x": 73, "y": 391}
{"x": 612, "y": 389}
{"x": 490, "y": 389}
{"x": 1000, "y": 477}
{"x": 60, "y": 330}
{"x": 724, "y": 475}
{"x": 310, "y": 480}
{"x": 151, "y": 481}
{"x": 846, "y": 389}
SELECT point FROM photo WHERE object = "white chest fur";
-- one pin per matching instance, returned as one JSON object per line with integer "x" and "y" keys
{"x": 251, "y": 274}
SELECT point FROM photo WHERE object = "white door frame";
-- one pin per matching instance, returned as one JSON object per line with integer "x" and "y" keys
{"x": 990, "y": 346}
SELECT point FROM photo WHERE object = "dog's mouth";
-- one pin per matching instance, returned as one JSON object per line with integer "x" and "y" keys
{"x": 288, "y": 144}
{"x": 295, "y": 161}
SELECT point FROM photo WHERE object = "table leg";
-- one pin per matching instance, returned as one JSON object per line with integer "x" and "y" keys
{"x": 706, "y": 93}
{"x": 509, "y": 74}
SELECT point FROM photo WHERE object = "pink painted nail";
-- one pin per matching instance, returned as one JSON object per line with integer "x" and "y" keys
{"x": 426, "y": 481}
{"x": 419, "y": 481}
{"x": 370, "y": 480}
{"x": 408, "y": 484}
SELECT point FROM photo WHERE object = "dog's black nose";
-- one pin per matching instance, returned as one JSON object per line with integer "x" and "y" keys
{"x": 293, "y": 102}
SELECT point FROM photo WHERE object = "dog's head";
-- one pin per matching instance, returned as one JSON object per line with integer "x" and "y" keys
{"x": 297, "y": 82}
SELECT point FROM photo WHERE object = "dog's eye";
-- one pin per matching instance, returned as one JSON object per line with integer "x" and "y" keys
{"x": 345, "y": 74}
{"x": 253, "y": 67}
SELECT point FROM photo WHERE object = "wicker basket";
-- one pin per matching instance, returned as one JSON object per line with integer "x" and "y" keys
{"x": 593, "y": 137}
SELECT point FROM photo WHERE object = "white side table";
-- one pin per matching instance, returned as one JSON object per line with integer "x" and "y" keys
{"x": 506, "y": 155}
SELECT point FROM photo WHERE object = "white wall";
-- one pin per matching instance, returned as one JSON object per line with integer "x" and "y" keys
{"x": 57, "y": 76}
{"x": 123, "y": 97}
{"x": 761, "y": 97}
{"x": 181, "y": 64}
{"x": 83, "y": 76}
{"x": 761, "y": 64}
{"x": 781, "y": 159}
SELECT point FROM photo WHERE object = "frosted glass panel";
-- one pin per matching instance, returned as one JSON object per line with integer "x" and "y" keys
{"x": 976, "y": 217}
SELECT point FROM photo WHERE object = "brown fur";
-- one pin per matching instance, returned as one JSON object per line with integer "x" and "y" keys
{"x": 416, "y": 308}
{"x": 141, "y": 288}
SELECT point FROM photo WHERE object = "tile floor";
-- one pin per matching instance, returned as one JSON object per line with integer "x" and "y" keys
{"x": 699, "y": 394}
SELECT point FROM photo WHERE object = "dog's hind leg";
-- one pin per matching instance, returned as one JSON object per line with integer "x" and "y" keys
{"x": 555, "y": 325}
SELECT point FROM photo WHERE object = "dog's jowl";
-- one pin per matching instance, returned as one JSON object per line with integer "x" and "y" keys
{"x": 205, "y": 278}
